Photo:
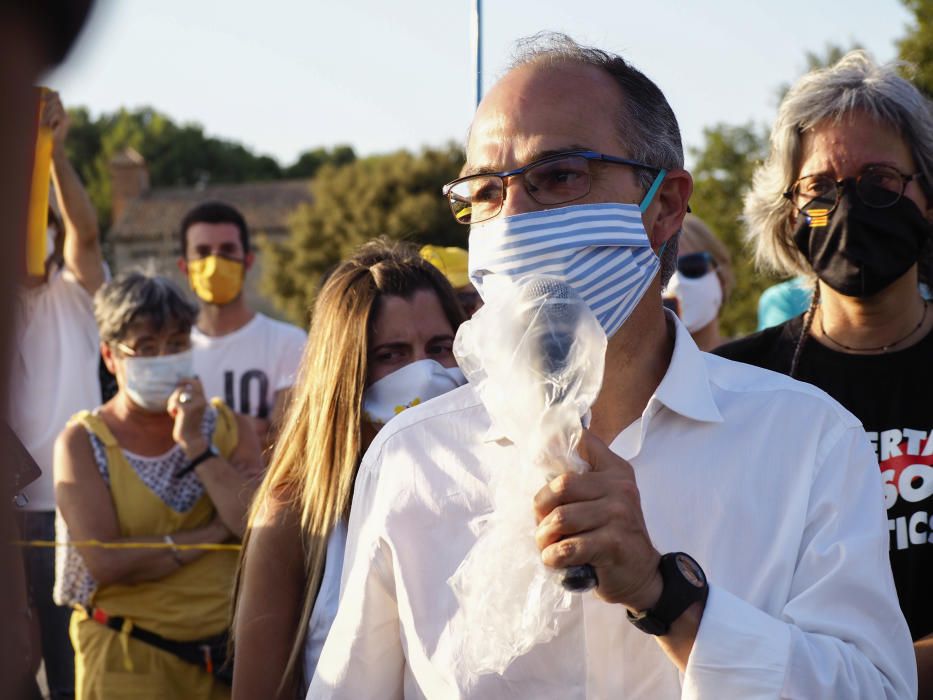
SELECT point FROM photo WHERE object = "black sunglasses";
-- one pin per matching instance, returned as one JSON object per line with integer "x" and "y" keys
{"x": 694, "y": 265}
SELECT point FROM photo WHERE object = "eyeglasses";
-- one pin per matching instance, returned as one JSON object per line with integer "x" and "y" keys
{"x": 877, "y": 186}
{"x": 556, "y": 179}
{"x": 148, "y": 348}
{"x": 695, "y": 265}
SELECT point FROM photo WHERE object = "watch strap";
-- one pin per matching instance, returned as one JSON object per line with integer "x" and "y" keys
{"x": 678, "y": 594}
{"x": 211, "y": 451}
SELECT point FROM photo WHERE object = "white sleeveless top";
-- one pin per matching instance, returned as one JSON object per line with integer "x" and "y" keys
{"x": 328, "y": 597}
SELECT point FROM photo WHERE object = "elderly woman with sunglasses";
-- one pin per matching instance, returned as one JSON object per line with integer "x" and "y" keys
{"x": 152, "y": 481}
{"x": 846, "y": 197}
{"x": 702, "y": 283}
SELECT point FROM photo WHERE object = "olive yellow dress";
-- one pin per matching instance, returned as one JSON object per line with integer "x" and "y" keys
{"x": 189, "y": 604}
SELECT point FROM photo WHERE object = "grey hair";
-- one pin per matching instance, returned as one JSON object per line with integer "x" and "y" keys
{"x": 854, "y": 84}
{"x": 648, "y": 129}
{"x": 141, "y": 296}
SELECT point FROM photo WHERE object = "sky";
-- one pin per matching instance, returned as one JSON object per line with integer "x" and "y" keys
{"x": 283, "y": 77}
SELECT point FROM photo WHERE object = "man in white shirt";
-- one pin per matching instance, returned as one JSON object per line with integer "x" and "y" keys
{"x": 766, "y": 484}
{"x": 53, "y": 375}
{"x": 240, "y": 355}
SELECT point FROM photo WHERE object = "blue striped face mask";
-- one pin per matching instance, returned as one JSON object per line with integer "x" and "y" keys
{"x": 601, "y": 250}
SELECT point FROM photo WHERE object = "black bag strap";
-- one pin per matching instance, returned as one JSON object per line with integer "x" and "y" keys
{"x": 209, "y": 653}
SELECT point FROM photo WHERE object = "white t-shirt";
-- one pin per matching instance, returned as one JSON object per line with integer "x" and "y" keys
{"x": 54, "y": 371}
{"x": 246, "y": 367}
{"x": 326, "y": 603}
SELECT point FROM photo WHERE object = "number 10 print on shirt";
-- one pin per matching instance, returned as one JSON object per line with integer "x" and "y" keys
{"x": 249, "y": 395}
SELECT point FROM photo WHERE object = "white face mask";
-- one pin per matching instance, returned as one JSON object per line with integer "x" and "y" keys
{"x": 699, "y": 298}
{"x": 406, "y": 387}
{"x": 149, "y": 381}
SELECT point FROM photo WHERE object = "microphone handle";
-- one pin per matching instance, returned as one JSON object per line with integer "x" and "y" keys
{"x": 579, "y": 579}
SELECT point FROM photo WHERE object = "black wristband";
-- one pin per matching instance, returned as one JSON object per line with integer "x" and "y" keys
{"x": 211, "y": 451}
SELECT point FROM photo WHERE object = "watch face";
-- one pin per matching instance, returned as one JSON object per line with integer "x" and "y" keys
{"x": 690, "y": 570}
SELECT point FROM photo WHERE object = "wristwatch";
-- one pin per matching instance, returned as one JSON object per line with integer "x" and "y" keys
{"x": 684, "y": 584}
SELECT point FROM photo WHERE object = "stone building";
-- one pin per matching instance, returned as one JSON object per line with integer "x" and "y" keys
{"x": 146, "y": 219}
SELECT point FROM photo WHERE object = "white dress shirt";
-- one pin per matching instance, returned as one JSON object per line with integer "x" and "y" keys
{"x": 767, "y": 482}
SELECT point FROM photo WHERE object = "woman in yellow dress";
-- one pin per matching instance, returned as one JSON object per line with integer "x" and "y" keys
{"x": 157, "y": 464}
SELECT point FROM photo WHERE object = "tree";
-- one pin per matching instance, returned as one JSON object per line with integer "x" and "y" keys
{"x": 309, "y": 162}
{"x": 917, "y": 46}
{"x": 396, "y": 195}
{"x": 722, "y": 174}
{"x": 176, "y": 155}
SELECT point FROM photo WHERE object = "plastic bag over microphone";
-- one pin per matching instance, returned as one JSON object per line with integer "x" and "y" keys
{"x": 535, "y": 354}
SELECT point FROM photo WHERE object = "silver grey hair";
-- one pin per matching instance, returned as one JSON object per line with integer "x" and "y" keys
{"x": 141, "y": 297}
{"x": 854, "y": 84}
{"x": 648, "y": 129}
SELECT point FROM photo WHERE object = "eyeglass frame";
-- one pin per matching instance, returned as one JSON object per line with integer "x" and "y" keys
{"x": 841, "y": 183}
{"x": 504, "y": 174}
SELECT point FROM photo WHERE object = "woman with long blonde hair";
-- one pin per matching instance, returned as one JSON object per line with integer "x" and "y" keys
{"x": 380, "y": 340}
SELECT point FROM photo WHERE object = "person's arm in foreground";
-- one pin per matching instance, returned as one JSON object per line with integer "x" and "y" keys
{"x": 269, "y": 606}
{"x": 841, "y": 634}
{"x": 87, "y": 507}
{"x": 82, "y": 251}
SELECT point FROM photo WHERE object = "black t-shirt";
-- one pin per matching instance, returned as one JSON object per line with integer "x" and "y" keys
{"x": 892, "y": 394}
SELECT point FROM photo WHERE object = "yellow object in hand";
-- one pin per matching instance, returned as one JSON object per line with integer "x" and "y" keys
{"x": 38, "y": 221}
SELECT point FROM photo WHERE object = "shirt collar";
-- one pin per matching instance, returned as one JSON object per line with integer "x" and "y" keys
{"x": 685, "y": 388}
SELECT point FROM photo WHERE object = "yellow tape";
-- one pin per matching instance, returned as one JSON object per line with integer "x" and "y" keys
{"x": 128, "y": 545}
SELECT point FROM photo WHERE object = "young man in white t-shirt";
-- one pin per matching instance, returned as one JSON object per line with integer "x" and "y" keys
{"x": 53, "y": 375}
{"x": 240, "y": 355}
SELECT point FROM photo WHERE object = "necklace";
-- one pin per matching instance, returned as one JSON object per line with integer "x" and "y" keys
{"x": 881, "y": 348}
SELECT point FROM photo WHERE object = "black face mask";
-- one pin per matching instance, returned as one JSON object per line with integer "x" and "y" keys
{"x": 859, "y": 250}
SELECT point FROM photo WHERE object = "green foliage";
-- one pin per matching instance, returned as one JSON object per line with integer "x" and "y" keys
{"x": 309, "y": 162}
{"x": 176, "y": 155}
{"x": 917, "y": 46}
{"x": 396, "y": 195}
{"x": 722, "y": 174}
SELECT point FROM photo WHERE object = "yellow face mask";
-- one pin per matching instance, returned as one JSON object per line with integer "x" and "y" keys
{"x": 216, "y": 280}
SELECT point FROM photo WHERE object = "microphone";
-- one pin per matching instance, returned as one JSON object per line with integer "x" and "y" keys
{"x": 557, "y": 312}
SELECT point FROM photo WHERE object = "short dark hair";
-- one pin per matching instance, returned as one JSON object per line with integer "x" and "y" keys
{"x": 213, "y": 213}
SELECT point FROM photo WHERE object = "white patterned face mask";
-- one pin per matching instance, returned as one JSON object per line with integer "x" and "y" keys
{"x": 408, "y": 386}
{"x": 601, "y": 250}
{"x": 150, "y": 381}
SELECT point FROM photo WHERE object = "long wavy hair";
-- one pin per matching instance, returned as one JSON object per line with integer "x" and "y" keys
{"x": 318, "y": 451}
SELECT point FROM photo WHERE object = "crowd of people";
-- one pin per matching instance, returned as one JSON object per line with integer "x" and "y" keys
{"x": 258, "y": 512}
